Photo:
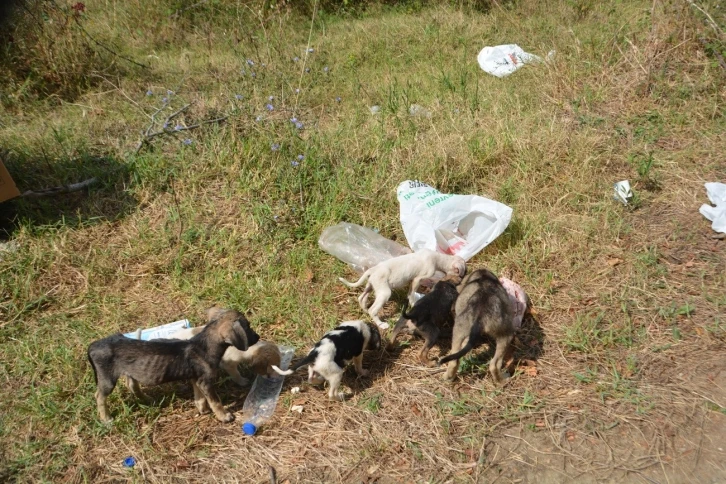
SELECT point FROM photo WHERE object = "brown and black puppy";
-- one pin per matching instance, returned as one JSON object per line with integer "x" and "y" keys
{"x": 482, "y": 309}
{"x": 166, "y": 360}
{"x": 429, "y": 315}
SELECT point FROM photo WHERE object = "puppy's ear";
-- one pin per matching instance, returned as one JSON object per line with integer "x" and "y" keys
{"x": 237, "y": 337}
{"x": 214, "y": 313}
{"x": 374, "y": 343}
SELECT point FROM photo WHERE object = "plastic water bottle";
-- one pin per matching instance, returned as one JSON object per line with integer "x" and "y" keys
{"x": 262, "y": 399}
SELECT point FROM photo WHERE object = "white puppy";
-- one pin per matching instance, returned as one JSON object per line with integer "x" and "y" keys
{"x": 328, "y": 358}
{"x": 398, "y": 272}
{"x": 260, "y": 356}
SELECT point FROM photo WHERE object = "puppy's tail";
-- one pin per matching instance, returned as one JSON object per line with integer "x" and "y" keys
{"x": 455, "y": 356}
{"x": 90, "y": 360}
{"x": 308, "y": 359}
{"x": 404, "y": 314}
{"x": 357, "y": 283}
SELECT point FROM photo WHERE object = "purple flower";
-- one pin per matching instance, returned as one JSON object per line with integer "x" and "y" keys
{"x": 169, "y": 92}
{"x": 258, "y": 118}
{"x": 337, "y": 99}
{"x": 166, "y": 125}
{"x": 250, "y": 63}
{"x": 299, "y": 125}
{"x": 164, "y": 100}
{"x": 293, "y": 119}
{"x": 253, "y": 74}
{"x": 275, "y": 147}
{"x": 149, "y": 92}
{"x": 297, "y": 91}
{"x": 311, "y": 50}
{"x": 269, "y": 107}
{"x": 294, "y": 163}
{"x": 271, "y": 98}
{"x": 295, "y": 59}
{"x": 326, "y": 69}
{"x": 300, "y": 157}
{"x": 187, "y": 141}
{"x": 178, "y": 127}
{"x": 238, "y": 96}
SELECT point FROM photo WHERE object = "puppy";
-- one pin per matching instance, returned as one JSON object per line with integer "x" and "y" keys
{"x": 328, "y": 358}
{"x": 260, "y": 356}
{"x": 482, "y": 309}
{"x": 165, "y": 360}
{"x": 429, "y": 314}
{"x": 398, "y": 272}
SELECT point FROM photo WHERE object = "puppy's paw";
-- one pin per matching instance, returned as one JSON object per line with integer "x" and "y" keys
{"x": 227, "y": 417}
{"x": 337, "y": 397}
{"x": 383, "y": 326}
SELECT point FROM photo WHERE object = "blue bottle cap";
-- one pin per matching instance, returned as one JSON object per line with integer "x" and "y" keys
{"x": 249, "y": 428}
{"x": 129, "y": 461}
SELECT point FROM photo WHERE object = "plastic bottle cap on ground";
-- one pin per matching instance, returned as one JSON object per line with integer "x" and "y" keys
{"x": 249, "y": 428}
{"x": 129, "y": 462}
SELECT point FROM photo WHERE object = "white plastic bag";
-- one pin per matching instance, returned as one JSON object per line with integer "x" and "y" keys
{"x": 358, "y": 246}
{"x": 163, "y": 331}
{"x": 502, "y": 60}
{"x": 453, "y": 224}
{"x": 717, "y": 194}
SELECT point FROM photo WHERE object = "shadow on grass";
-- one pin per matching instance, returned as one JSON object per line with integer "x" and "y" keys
{"x": 106, "y": 199}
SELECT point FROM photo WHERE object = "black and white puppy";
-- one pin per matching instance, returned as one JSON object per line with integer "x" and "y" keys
{"x": 329, "y": 357}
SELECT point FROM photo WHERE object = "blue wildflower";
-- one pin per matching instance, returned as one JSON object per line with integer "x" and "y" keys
{"x": 275, "y": 147}
{"x": 178, "y": 127}
{"x": 295, "y": 59}
{"x": 166, "y": 125}
{"x": 326, "y": 69}
{"x": 164, "y": 100}
{"x": 187, "y": 141}
{"x": 169, "y": 92}
{"x": 311, "y": 50}
{"x": 269, "y": 107}
{"x": 297, "y": 91}
{"x": 253, "y": 74}
{"x": 250, "y": 62}
{"x": 271, "y": 98}
{"x": 293, "y": 119}
{"x": 300, "y": 157}
{"x": 299, "y": 125}
{"x": 258, "y": 118}
{"x": 294, "y": 163}
{"x": 238, "y": 96}
{"x": 337, "y": 99}
{"x": 149, "y": 92}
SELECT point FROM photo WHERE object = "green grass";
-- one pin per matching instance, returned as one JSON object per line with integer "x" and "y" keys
{"x": 174, "y": 228}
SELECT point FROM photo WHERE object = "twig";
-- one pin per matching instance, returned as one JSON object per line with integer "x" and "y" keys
{"x": 273, "y": 475}
{"x": 73, "y": 187}
{"x": 108, "y": 48}
{"x": 148, "y": 134}
{"x": 711, "y": 21}
{"x": 718, "y": 55}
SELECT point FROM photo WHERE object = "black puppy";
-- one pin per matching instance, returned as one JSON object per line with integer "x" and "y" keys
{"x": 429, "y": 314}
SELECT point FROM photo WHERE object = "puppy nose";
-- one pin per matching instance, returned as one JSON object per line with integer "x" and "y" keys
{"x": 254, "y": 339}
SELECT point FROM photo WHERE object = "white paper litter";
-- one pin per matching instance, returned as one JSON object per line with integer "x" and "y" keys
{"x": 453, "y": 224}
{"x": 717, "y": 194}
{"x": 297, "y": 408}
{"x": 295, "y": 390}
{"x": 163, "y": 331}
{"x": 623, "y": 193}
{"x": 502, "y": 60}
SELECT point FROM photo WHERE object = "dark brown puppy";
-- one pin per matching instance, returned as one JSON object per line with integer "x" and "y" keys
{"x": 482, "y": 309}
{"x": 429, "y": 314}
{"x": 165, "y": 360}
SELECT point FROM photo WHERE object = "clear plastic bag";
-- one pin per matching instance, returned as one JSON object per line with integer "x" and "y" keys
{"x": 359, "y": 247}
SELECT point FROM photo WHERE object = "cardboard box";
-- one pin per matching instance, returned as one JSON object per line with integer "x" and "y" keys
{"x": 8, "y": 189}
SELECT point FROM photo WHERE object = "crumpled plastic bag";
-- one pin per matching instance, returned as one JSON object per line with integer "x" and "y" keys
{"x": 453, "y": 224}
{"x": 502, "y": 60}
{"x": 717, "y": 194}
{"x": 359, "y": 247}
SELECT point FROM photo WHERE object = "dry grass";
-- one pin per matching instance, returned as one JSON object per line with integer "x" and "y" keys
{"x": 619, "y": 378}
